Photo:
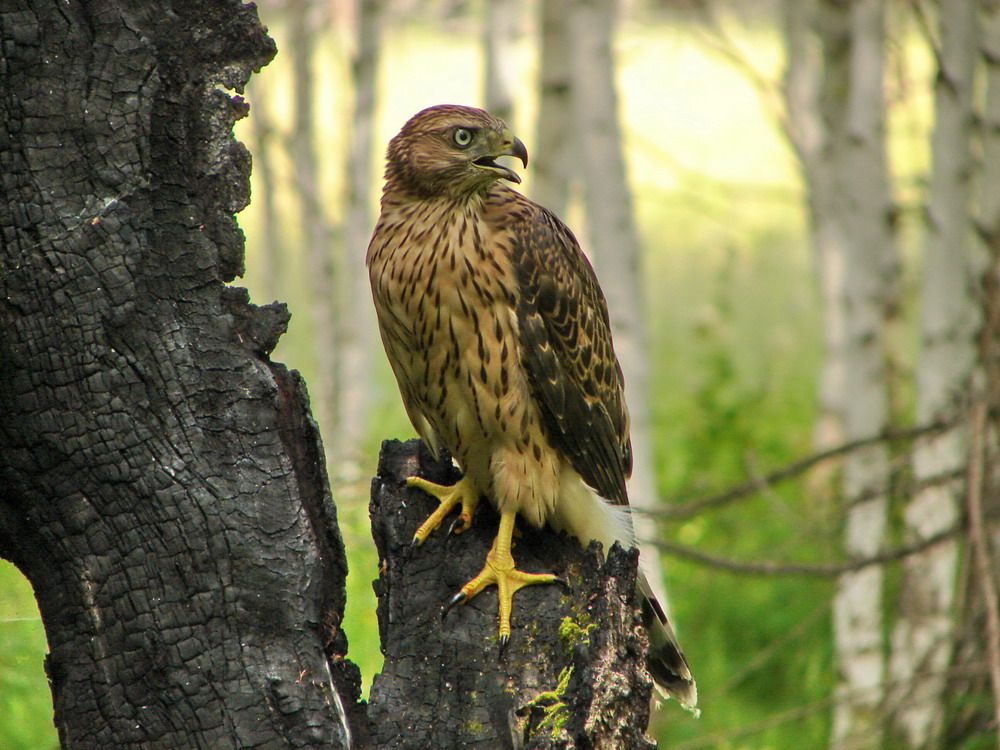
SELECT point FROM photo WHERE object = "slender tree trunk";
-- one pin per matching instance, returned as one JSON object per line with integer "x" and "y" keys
{"x": 812, "y": 100}
{"x": 499, "y": 30}
{"x": 864, "y": 215}
{"x": 266, "y": 136}
{"x": 922, "y": 639}
{"x": 843, "y": 159}
{"x": 314, "y": 227}
{"x": 163, "y": 482}
{"x": 356, "y": 314}
{"x": 551, "y": 162}
{"x": 614, "y": 244}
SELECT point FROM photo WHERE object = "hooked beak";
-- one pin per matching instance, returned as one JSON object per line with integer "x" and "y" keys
{"x": 514, "y": 148}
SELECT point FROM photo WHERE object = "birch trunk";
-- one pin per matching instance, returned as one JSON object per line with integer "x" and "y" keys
{"x": 551, "y": 164}
{"x": 864, "y": 213}
{"x": 272, "y": 250}
{"x": 614, "y": 244}
{"x": 314, "y": 227}
{"x": 812, "y": 100}
{"x": 500, "y": 25}
{"x": 922, "y": 638}
{"x": 842, "y": 155}
{"x": 356, "y": 314}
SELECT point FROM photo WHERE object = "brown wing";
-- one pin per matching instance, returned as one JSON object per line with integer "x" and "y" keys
{"x": 566, "y": 349}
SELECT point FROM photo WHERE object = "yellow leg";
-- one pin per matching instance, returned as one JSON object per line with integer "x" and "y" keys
{"x": 461, "y": 492}
{"x": 499, "y": 569}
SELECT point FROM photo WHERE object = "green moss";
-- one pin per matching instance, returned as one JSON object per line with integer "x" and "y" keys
{"x": 572, "y": 632}
{"x": 550, "y": 701}
{"x": 472, "y": 727}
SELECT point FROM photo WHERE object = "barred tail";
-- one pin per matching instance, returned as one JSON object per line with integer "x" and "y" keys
{"x": 666, "y": 662}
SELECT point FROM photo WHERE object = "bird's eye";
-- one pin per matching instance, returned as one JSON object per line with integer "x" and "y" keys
{"x": 463, "y": 137}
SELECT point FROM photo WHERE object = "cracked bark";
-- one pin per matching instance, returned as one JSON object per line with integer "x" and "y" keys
{"x": 163, "y": 482}
{"x": 443, "y": 683}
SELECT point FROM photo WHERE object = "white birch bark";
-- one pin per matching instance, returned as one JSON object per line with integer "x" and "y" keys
{"x": 499, "y": 30}
{"x": 356, "y": 316}
{"x": 809, "y": 104}
{"x": 316, "y": 235}
{"x": 869, "y": 292}
{"x": 843, "y": 158}
{"x": 922, "y": 639}
{"x": 272, "y": 253}
{"x": 551, "y": 163}
{"x": 613, "y": 242}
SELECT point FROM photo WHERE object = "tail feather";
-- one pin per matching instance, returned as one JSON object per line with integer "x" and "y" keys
{"x": 666, "y": 662}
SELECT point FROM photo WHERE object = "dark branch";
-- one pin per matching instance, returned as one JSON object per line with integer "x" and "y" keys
{"x": 769, "y": 568}
{"x": 694, "y": 507}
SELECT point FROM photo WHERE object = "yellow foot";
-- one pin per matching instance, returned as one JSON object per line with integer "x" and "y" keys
{"x": 500, "y": 570}
{"x": 450, "y": 495}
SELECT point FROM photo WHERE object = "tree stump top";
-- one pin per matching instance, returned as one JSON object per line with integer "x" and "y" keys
{"x": 573, "y": 674}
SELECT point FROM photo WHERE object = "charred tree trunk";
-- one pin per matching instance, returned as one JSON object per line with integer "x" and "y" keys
{"x": 573, "y": 675}
{"x": 163, "y": 482}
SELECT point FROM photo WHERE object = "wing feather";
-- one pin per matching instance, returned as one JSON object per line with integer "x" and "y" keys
{"x": 567, "y": 351}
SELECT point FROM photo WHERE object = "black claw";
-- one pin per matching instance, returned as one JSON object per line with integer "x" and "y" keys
{"x": 561, "y": 583}
{"x": 504, "y": 640}
{"x": 456, "y": 522}
{"x": 459, "y": 598}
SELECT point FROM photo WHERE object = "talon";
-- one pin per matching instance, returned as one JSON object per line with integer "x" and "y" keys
{"x": 459, "y": 598}
{"x": 504, "y": 640}
{"x": 460, "y": 524}
{"x": 463, "y": 492}
{"x": 501, "y": 571}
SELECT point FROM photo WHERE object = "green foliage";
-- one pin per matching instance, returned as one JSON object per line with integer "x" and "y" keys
{"x": 25, "y": 701}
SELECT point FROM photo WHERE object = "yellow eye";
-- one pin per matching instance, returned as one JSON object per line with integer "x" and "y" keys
{"x": 463, "y": 137}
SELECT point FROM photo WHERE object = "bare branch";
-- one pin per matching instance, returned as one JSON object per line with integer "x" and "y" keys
{"x": 795, "y": 468}
{"x": 771, "y": 568}
{"x": 722, "y": 739}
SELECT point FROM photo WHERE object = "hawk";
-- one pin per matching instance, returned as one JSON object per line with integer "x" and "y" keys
{"x": 498, "y": 335}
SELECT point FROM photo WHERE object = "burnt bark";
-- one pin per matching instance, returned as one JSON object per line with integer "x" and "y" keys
{"x": 573, "y": 674}
{"x": 163, "y": 484}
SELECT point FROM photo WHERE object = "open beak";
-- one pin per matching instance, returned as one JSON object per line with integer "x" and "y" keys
{"x": 515, "y": 149}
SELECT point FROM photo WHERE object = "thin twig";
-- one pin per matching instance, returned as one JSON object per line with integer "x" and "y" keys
{"x": 982, "y": 556}
{"x": 771, "y": 568}
{"x": 794, "y": 469}
{"x": 724, "y": 739}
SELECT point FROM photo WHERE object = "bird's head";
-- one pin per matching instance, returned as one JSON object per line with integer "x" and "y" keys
{"x": 451, "y": 150}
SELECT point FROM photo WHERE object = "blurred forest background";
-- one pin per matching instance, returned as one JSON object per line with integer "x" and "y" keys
{"x": 794, "y": 209}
